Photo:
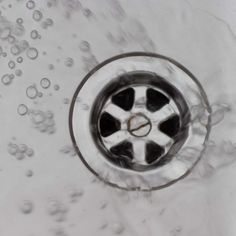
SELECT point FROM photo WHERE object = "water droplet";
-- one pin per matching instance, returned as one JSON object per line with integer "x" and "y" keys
{"x": 22, "y": 109}
{"x": 40, "y": 94}
{"x": 11, "y": 64}
{"x": 84, "y": 46}
{"x": 217, "y": 116}
{"x": 11, "y": 39}
{"x": 37, "y": 15}
{"x": 6, "y": 79}
{"x": 26, "y": 207}
{"x": 49, "y": 122}
{"x": 90, "y": 61}
{"x": 87, "y": 12}
{"x": 50, "y": 66}
{"x": 49, "y": 21}
{"x": 15, "y": 50}
{"x": 30, "y": 4}
{"x": 19, "y": 59}
{"x": 117, "y": 228}
{"x": 4, "y": 34}
{"x": 19, "y": 156}
{"x": 32, "y": 92}
{"x": 29, "y": 152}
{"x": 69, "y": 62}
{"x": 38, "y": 117}
{"x": 18, "y": 72}
{"x": 34, "y": 34}
{"x": 23, "y": 148}
{"x": 19, "y": 21}
{"x": 32, "y": 53}
{"x": 29, "y": 173}
{"x": 56, "y": 87}
{"x": 13, "y": 148}
{"x": 45, "y": 83}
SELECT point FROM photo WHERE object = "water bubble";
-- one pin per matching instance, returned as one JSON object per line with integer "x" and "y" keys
{"x": 84, "y": 46}
{"x": 49, "y": 21}
{"x": 32, "y": 53}
{"x": 87, "y": 12}
{"x": 89, "y": 62}
{"x": 34, "y": 34}
{"x": 11, "y": 64}
{"x": 4, "y": 34}
{"x": 49, "y": 122}
{"x": 18, "y": 72}
{"x": 11, "y": 39}
{"x": 38, "y": 117}
{"x": 19, "y": 21}
{"x": 44, "y": 25}
{"x": 13, "y": 149}
{"x": 37, "y": 15}
{"x": 26, "y": 207}
{"x": 117, "y": 228}
{"x": 69, "y": 62}
{"x": 19, "y": 59}
{"x": 30, "y": 4}
{"x": 22, "y": 109}
{"x": 32, "y": 92}
{"x": 40, "y": 94}
{"x": 45, "y": 83}
{"x": 217, "y": 116}
{"x": 6, "y": 79}
{"x": 29, "y": 173}
{"x": 56, "y": 87}
{"x": 15, "y": 50}
{"x": 29, "y": 152}
{"x": 19, "y": 156}
{"x": 23, "y": 148}
{"x": 50, "y": 66}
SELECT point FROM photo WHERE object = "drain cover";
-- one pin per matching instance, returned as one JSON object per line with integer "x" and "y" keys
{"x": 134, "y": 123}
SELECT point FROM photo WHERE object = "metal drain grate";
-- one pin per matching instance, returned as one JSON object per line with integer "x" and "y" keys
{"x": 132, "y": 125}
{"x": 137, "y": 125}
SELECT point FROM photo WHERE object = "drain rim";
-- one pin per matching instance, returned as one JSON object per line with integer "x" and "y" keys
{"x": 135, "y": 186}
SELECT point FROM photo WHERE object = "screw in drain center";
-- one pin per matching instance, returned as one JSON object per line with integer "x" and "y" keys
{"x": 139, "y": 125}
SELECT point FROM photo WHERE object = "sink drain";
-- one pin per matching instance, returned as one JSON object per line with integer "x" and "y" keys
{"x": 138, "y": 130}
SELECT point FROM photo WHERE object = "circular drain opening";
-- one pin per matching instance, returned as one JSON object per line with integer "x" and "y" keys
{"x": 141, "y": 122}
{"x": 133, "y": 123}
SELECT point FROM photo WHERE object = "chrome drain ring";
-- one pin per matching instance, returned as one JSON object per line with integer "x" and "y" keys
{"x": 108, "y": 81}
